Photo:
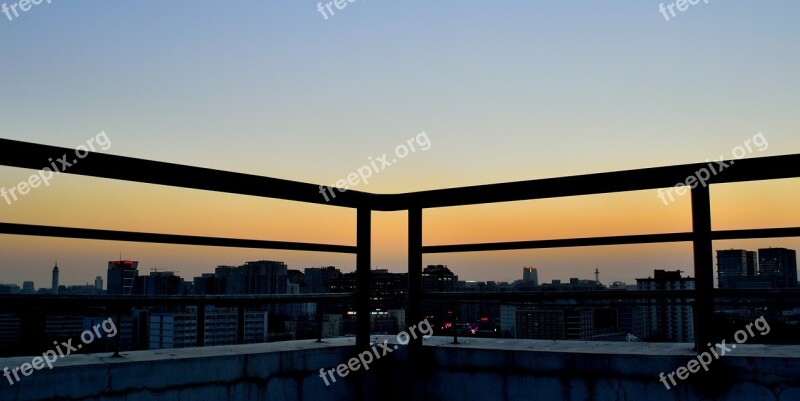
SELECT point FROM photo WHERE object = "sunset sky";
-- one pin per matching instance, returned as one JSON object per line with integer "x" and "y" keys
{"x": 504, "y": 91}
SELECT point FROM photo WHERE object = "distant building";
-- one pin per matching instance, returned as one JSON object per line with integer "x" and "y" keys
{"x": 738, "y": 268}
{"x": 79, "y": 290}
{"x": 388, "y": 290}
{"x": 229, "y": 280}
{"x": 530, "y": 275}
{"x": 208, "y": 284}
{"x": 264, "y": 277}
{"x": 779, "y": 265}
{"x": 221, "y": 327}
{"x": 669, "y": 320}
{"x": 55, "y": 279}
{"x": 438, "y": 278}
{"x": 508, "y": 321}
{"x": 173, "y": 330}
{"x": 28, "y": 287}
{"x": 332, "y": 325}
{"x": 160, "y": 283}
{"x": 10, "y": 331}
{"x": 560, "y": 323}
{"x": 61, "y": 326}
{"x": 98, "y": 283}
{"x": 297, "y": 311}
{"x": 575, "y": 284}
{"x": 10, "y": 289}
{"x": 318, "y": 279}
{"x": 121, "y": 277}
{"x": 541, "y": 324}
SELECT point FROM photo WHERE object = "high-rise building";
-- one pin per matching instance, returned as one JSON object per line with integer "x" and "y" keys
{"x": 55, "y": 279}
{"x": 752, "y": 264}
{"x": 665, "y": 320}
{"x": 207, "y": 284}
{"x": 264, "y": 277}
{"x": 318, "y": 279}
{"x": 388, "y": 290}
{"x": 739, "y": 268}
{"x": 530, "y": 275}
{"x": 230, "y": 279}
{"x": 779, "y": 265}
{"x": 28, "y": 287}
{"x": 732, "y": 265}
{"x": 98, "y": 283}
{"x": 438, "y": 278}
{"x": 122, "y": 277}
{"x": 160, "y": 283}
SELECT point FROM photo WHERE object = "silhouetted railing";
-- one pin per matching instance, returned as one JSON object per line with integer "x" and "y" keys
{"x": 34, "y": 156}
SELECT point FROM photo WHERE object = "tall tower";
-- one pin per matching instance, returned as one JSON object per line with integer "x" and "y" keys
{"x": 55, "y": 279}
{"x": 596, "y": 275}
{"x": 122, "y": 277}
{"x": 530, "y": 275}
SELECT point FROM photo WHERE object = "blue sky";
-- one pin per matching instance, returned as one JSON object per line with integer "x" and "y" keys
{"x": 506, "y": 91}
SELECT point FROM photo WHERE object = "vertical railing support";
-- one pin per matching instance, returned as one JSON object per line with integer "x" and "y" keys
{"x": 318, "y": 318}
{"x": 201, "y": 325}
{"x": 455, "y": 323}
{"x": 703, "y": 267}
{"x": 240, "y": 325}
{"x": 117, "y": 340}
{"x": 363, "y": 263}
{"x": 415, "y": 272}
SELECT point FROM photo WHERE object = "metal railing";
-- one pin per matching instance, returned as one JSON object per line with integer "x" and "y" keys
{"x": 34, "y": 156}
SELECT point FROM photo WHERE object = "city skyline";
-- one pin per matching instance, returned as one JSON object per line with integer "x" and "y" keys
{"x": 536, "y": 269}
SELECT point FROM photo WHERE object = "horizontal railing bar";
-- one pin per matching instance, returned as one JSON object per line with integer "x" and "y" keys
{"x": 36, "y": 156}
{"x": 612, "y": 240}
{"x": 22, "y": 301}
{"x": 751, "y": 233}
{"x": 755, "y": 169}
{"x": 560, "y": 243}
{"x": 175, "y": 239}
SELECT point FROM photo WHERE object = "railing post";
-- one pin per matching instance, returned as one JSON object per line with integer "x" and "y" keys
{"x": 415, "y": 271}
{"x": 318, "y": 318}
{"x": 201, "y": 325}
{"x": 455, "y": 323}
{"x": 703, "y": 266}
{"x": 363, "y": 262}
{"x": 117, "y": 340}
{"x": 240, "y": 324}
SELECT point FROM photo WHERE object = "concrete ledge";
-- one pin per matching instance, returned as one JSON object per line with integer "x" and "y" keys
{"x": 475, "y": 369}
{"x": 598, "y": 371}
{"x": 286, "y": 370}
